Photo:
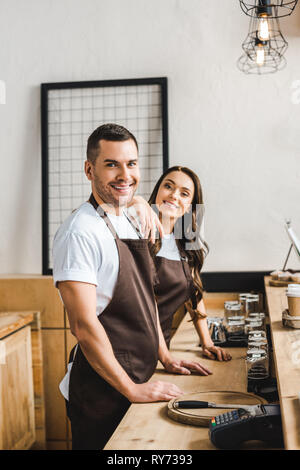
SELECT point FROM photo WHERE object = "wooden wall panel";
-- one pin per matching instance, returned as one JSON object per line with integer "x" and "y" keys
{"x": 54, "y": 370}
{"x": 33, "y": 293}
{"x": 17, "y": 397}
{"x": 38, "y": 383}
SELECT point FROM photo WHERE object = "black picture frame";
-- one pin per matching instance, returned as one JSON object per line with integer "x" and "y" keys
{"x": 45, "y": 89}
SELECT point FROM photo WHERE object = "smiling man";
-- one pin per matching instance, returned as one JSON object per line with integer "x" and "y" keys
{"x": 105, "y": 276}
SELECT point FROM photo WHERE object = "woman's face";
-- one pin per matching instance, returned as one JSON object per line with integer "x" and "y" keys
{"x": 175, "y": 194}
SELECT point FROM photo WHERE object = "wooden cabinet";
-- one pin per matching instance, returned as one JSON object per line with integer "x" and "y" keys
{"x": 26, "y": 292}
{"x": 22, "y": 410}
{"x": 17, "y": 415}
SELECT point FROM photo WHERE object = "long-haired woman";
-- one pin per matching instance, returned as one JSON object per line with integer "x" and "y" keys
{"x": 179, "y": 255}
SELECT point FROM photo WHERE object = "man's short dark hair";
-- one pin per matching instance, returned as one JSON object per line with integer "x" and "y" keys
{"x": 111, "y": 132}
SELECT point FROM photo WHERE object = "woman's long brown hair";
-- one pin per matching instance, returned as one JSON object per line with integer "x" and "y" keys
{"x": 190, "y": 231}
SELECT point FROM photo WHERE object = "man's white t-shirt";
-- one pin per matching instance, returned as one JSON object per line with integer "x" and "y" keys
{"x": 84, "y": 250}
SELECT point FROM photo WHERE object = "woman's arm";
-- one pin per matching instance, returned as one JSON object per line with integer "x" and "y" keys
{"x": 174, "y": 365}
{"x": 200, "y": 324}
{"x": 147, "y": 217}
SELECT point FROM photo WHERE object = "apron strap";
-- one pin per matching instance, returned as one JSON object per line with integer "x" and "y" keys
{"x": 102, "y": 214}
{"x": 106, "y": 219}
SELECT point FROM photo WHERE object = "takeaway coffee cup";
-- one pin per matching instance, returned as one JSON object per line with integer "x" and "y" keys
{"x": 293, "y": 297}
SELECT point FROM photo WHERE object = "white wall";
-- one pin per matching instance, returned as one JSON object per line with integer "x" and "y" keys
{"x": 239, "y": 133}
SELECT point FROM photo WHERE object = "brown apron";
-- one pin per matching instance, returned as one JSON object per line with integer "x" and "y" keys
{"x": 174, "y": 288}
{"x": 95, "y": 408}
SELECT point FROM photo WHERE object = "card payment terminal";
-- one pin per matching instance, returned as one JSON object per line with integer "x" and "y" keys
{"x": 259, "y": 422}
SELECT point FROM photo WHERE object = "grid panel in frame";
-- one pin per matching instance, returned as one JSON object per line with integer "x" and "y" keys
{"x": 72, "y": 115}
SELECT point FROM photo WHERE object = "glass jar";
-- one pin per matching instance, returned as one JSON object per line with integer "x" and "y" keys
{"x": 250, "y": 303}
{"x": 232, "y": 310}
{"x": 256, "y": 334}
{"x": 235, "y": 328}
{"x": 259, "y": 344}
{"x": 252, "y": 325}
{"x": 258, "y": 316}
{"x": 257, "y": 364}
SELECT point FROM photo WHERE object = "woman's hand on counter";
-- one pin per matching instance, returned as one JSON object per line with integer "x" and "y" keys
{"x": 177, "y": 366}
{"x": 215, "y": 352}
{"x": 153, "y": 391}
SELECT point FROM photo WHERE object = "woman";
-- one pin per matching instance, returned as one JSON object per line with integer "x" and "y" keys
{"x": 179, "y": 254}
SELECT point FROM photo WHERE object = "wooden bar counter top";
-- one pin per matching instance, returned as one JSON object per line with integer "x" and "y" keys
{"x": 286, "y": 346}
{"x": 147, "y": 426}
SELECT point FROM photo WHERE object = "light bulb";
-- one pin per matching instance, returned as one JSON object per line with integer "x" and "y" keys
{"x": 263, "y": 28}
{"x": 260, "y": 55}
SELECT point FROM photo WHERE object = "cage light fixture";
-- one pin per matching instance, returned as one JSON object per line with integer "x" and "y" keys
{"x": 264, "y": 45}
{"x": 264, "y": 64}
{"x": 275, "y": 8}
{"x": 264, "y": 40}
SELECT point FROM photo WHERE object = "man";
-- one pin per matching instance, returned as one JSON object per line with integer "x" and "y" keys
{"x": 105, "y": 276}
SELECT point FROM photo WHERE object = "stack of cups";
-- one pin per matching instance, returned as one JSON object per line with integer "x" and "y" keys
{"x": 293, "y": 297}
{"x": 257, "y": 355}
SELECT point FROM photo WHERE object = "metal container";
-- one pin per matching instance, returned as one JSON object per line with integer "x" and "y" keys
{"x": 216, "y": 330}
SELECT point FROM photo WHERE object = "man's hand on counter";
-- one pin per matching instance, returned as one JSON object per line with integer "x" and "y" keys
{"x": 181, "y": 366}
{"x": 153, "y": 391}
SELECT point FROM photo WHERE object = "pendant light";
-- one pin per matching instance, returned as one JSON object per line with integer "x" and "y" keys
{"x": 264, "y": 40}
{"x": 263, "y": 63}
{"x": 264, "y": 46}
{"x": 276, "y": 8}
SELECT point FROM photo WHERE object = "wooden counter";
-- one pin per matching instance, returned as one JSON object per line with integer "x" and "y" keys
{"x": 147, "y": 426}
{"x": 286, "y": 345}
{"x": 22, "y": 413}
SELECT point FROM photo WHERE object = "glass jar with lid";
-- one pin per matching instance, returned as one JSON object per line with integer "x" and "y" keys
{"x": 252, "y": 324}
{"x": 256, "y": 334}
{"x": 258, "y": 316}
{"x": 231, "y": 310}
{"x": 257, "y": 364}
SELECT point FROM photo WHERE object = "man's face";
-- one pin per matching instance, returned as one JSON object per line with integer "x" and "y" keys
{"x": 115, "y": 175}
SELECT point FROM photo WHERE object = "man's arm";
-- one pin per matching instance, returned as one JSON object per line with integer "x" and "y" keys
{"x": 80, "y": 301}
